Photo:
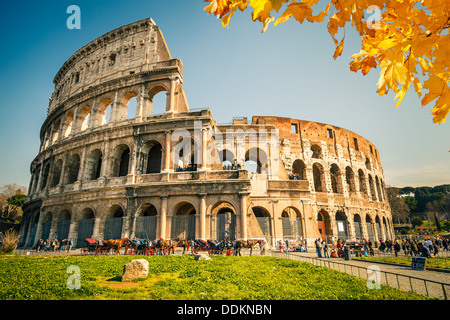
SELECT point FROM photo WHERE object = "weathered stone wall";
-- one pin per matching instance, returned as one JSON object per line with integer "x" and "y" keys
{"x": 294, "y": 179}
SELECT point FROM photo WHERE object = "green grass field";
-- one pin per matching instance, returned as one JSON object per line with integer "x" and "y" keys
{"x": 181, "y": 277}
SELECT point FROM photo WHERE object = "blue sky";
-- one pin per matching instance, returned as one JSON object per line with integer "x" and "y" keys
{"x": 288, "y": 71}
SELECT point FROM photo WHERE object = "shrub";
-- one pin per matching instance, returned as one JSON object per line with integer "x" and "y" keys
{"x": 9, "y": 240}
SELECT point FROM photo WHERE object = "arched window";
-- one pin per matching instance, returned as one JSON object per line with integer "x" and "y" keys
{"x": 256, "y": 161}
{"x": 94, "y": 165}
{"x": 158, "y": 105}
{"x": 56, "y": 173}
{"x": 183, "y": 222}
{"x": 68, "y": 122}
{"x": 103, "y": 114}
{"x": 335, "y": 176}
{"x": 350, "y": 179}
{"x": 362, "y": 182}
{"x": 121, "y": 161}
{"x": 73, "y": 169}
{"x": 154, "y": 158}
{"x": 113, "y": 223}
{"x": 299, "y": 170}
{"x": 146, "y": 222}
{"x": 128, "y": 105}
{"x": 84, "y": 117}
{"x": 45, "y": 175}
{"x": 358, "y": 226}
{"x": 264, "y": 221}
{"x": 318, "y": 176}
{"x": 85, "y": 227}
{"x": 372, "y": 188}
{"x": 341, "y": 223}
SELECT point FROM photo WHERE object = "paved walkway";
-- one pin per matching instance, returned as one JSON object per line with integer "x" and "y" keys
{"x": 427, "y": 282}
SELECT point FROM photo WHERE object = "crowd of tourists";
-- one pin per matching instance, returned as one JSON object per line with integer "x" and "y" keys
{"x": 413, "y": 247}
{"x": 51, "y": 245}
{"x": 429, "y": 247}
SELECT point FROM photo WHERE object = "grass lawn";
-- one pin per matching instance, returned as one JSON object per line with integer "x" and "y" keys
{"x": 181, "y": 277}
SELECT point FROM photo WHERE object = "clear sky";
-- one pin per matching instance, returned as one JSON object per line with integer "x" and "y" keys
{"x": 288, "y": 71}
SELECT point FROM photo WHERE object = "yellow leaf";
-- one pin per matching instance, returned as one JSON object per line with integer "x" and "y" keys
{"x": 298, "y": 10}
{"x": 339, "y": 49}
{"x": 441, "y": 108}
{"x": 401, "y": 94}
{"x": 395, "y": 73}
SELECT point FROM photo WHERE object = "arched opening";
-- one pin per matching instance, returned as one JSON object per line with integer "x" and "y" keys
{"x": 84, "y": 117}
{"x": 158, "y": 98}
{"x": 362, "y": 182}
{"x": 67, "y": 127}
{"x": 73, "y": 169}
{"x": 128, "y": 105}
{"x": 369, "y": 227}
{"x": 45, "y": 175}
{"x": 103, "y": 114}
{"x": 46, "y": 226}
{"x": 358, "y": 226}
{"x": 94, "y": 165}
{"x": 256, "y": 161}
{"x": 56, "y": 173}
{"x": 342, "y": 225}
{"x": 183, "y": 222}
{"x": 113, "y": 223}
{"x": 323, "y": 224}
{"x": 85, "y": 227}
{"x": 121, "y": 161}
{"x": 372, "y": 189}
{"x": 298, "y": 170}
{"x": 146, "y": 222}
{"x": 131, "y": 110}
{"x": 378, "y": 226}
{"x": 385, "y": 229}
{"x": 368, "y": 165}
{"x": 187, "y": 151}
{"x": 56, "y": 129}
{"x": 380, "y": 194}
{"x": 64, "y": 225}
{"x": 223, "y": 221}
{"x": 318, "y": 177}
{"x": 264, "y": 221}
{"x": 350, "y": 179}
{"x": 335, "y": 177}
{"x": 227, "y": 159}
{"x": 154, "y": 158}
{"x": 291, "y": 222}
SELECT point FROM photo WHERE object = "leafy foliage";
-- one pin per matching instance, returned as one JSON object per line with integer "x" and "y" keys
{"x": 409, "y": 35}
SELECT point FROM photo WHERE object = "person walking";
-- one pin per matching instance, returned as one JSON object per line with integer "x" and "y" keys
{"x": 318, "y": 248}
{"x": 397, "y": 248}
{"x": 69, "y": 244}
{"x": 287, "y": 246}
{"x": 325, "y": 249}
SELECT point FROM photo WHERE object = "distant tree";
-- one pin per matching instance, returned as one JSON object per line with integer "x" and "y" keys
{"x": 416, "y": 222}
{"x": 12, "y": 197}
{"x": 399, "y": 209}
{"x": 437, "y": 223}
{"x": 407, "y": 190}
{"x": 411, "y": 202}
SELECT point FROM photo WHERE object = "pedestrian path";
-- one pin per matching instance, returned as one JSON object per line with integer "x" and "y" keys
{"x": 434, "y": 284}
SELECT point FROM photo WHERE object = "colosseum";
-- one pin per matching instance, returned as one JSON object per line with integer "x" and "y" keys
{"x": 108, "y": 168}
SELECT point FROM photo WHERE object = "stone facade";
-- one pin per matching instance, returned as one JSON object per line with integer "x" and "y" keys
{"x": 180, "y": 173}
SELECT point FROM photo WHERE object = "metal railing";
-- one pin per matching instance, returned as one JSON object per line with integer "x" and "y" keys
{"x": 429, "y": 288}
